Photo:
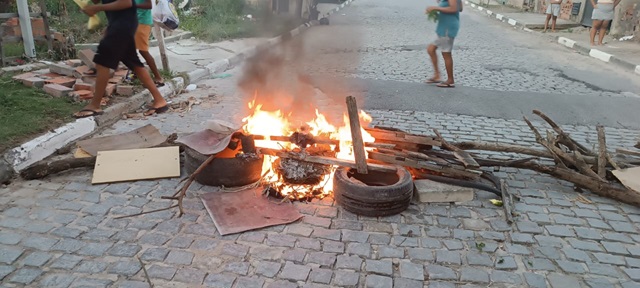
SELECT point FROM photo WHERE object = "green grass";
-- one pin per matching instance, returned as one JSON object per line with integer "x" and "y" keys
{"x": 26, "y": 112}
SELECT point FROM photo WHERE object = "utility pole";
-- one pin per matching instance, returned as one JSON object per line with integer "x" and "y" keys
{"x": 25, "y": 28}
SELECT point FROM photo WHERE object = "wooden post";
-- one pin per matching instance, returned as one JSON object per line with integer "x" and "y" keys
{"x": 45, "y": 19}
{"x": 157, "y": 32}
{"x": 356, "y": 136}
{"x": 602, "y": 152}
{"x": 25, "y": 28}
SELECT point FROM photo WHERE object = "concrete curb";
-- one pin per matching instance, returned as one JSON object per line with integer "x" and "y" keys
{"x": 564, "y": 41}
{"x": 27, "y": 154}
{"x": 25, "y": 68}
{"x": 153, "y": 43}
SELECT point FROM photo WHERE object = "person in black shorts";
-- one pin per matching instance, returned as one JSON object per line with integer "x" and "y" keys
{"x": 118, "y": 45}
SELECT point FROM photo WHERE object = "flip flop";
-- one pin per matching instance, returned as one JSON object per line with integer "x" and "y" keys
{"x": 159, "y": 84}
{"x": 432, "y": 81}
{"x": 93, "y": 113}
{"x": 446, "y": 85}
{"x": 158, "y": 110}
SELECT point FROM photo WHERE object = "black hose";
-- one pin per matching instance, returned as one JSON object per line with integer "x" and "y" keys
{"x": 462, "y": 183}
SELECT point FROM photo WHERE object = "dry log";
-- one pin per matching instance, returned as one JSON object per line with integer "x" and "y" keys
{"x": 507, "y": 201}
{"x": 602, "y": 152}
{"x": 325, "y": 160}
{"x": 416, "y": 155}
{"x": 388, "y": 134}
{"x": 356, "y": 135}
{"x": 462, "y": 155}
{"x": 627, "y": 152}
{"x": 564, "y": 137}
{"x": 408, "y": 162}
{"x": 510, "y": 148}
{"x": 637, "y": 145}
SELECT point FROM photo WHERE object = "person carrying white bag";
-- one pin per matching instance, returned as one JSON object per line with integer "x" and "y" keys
{"x": 165, "y": 15}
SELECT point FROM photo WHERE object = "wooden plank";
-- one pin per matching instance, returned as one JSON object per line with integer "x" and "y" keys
{"x": 401, "y": 136}
{"x": 460, "y": 154}
{"x": 356, "y": 135}
{"x": 144, "y": 137}
{"x": 325, "y": 160}
{"x": 136, "y": 164}
{"x": 628, "y": 152}
{"x": 407, "y": 162}
{"x": 507, "y": 201}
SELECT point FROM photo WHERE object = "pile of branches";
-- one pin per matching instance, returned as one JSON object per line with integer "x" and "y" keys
{"x": 562, "y": 157}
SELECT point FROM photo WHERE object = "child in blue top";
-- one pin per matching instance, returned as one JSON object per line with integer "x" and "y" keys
{"x": 447, "y": 30}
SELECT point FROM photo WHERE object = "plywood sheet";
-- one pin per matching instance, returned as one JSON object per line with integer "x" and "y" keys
{"x": 247, "y": 210}
{"x": 143, "y": 137}
{"x": 630, "y": 178}
{"x": 136, "y": 164}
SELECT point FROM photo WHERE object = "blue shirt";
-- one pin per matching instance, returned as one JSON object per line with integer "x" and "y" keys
{"x": 448, "y": 23}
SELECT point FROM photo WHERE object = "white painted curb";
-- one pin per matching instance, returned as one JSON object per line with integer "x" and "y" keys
{"x": 602, "y": 56}
{"x": 637, "y": 69}
{"x": 218, "y": 66}
{"x": 42, "y": 147}
{"x": 566, "y": 42}
{"x": 512, "y": 22}
{"x": 499, "y": 16}
{"x": 198, "y": 74}
{"x": 489, "y": 12}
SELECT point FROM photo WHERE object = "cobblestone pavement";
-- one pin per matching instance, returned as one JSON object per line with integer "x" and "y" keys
{"x": 61, "y": 231}
{"x": 487, "y": 55}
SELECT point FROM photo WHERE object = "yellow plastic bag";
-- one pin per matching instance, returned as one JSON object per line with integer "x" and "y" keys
{"x": 94, "y": 21}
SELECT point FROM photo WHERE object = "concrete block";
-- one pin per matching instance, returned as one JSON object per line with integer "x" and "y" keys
{"x": 44, "y": 146}
{"x": 81, "y": 95}
{"x": 428, "y": 191}
{"x": 125, "y": 90}
{"x": 111, "y": 88}
{"x": 86, "y": 56}
{"x": 62, "y": 69}
{"x": 83, "y": 86}
{"x": 24, "y": 76}
{"x": 198, "y": 74}
{"x": 74, "y": 62}
{"x": 50, "y": 75}
{"x": 89, "y": 79}
{"x": 35, "y": 82}
{"x": 218, "y": 66}
{"x": 80, "y": 71}
{"x": 512, "y": 22}
{"x": 499, "y": 16}
{"x": 602, "y": 56}
{"x": 64, "y": 81}
{"x": 57, "y": 90}
{"x": 566, "y": 42}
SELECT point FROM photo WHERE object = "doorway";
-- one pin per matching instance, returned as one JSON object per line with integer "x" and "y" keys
{"x": 586, "y": 16}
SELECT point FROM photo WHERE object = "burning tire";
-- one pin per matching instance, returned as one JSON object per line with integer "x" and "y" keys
{"x": 374, "y": 194}
{"x": 228, "y": 172}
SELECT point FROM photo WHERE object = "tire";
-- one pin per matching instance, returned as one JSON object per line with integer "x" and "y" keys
{"x": 384, "y": 194}
{"x": 228, "y": 172}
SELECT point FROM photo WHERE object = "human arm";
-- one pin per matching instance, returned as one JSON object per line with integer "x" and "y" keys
{"x": 113, "y": 6}
{"x": 452, "y": 8}
{"x": 615, "y": 3}
{"x": 594, "y": 4}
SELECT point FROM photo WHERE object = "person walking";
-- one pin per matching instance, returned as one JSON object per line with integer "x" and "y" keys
{"x": 553, "y": 10}
{"x": 118, "y": 45}
{"x": 446, "y": 31}
{"x": 602, "y": 15}
{"x": 145, "y": 23}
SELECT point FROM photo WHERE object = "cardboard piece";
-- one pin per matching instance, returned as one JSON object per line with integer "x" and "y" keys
{"x": 144, "y": 137}
{"x": 247, "y": 210}
{"x": 136, "y": 164}
{"x": 630, "y": 178}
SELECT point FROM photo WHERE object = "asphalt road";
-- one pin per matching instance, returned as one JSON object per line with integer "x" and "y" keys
{"x": 378, "y": 47}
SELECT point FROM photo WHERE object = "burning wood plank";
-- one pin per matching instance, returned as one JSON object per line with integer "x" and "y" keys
{"x": 325, "y": 160}
{"x": 356, "y": 135}
{"x": 408, "y": 162}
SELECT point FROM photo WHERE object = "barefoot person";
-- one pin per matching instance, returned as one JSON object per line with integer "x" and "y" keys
{"x": 446, "y": 30}
{"x": 601, "y": 16}
{"x": 553, "y": 10}
{"x": 145, "y": 23}
{"x": 118, "y": 45}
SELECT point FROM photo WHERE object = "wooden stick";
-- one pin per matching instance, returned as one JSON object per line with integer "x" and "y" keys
{"x": 325, "y": 160}
{"x": 627, "y": 152}
{"x": 506, "y": 201}
{"x": 602, "y": 152}
{"x": 397, "y": 135}
{"x": 407, "y": 162}
{"x": 462, "y": 155}
{"x": 356, "y": 135}
{"x": 146, "y": 275}
{"x": 566, "y": 139}
{"x": 183, "y": 190}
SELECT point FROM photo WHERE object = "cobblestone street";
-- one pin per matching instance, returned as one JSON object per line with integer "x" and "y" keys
{"x": 60, "y": 231}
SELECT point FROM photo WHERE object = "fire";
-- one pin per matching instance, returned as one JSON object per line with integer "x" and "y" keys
{"x": 275, "y": 123}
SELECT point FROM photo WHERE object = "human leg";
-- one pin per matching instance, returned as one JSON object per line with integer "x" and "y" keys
{"x": 546, "y": 22}
{"x": 603, "y": 31}
{"x": 142, "y": 44}
{"x": 594, "y": 29}
{"x": 434, "y": 61}
{"x": 553, "y": 23}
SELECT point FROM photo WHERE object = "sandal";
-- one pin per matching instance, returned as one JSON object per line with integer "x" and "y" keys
{"x": 93, "y": 113}
{"x": 158, "y": 110}
{"x": 159, "y": 83}
{"x": 446, "y": 85}
{"x": 432, "y": 81}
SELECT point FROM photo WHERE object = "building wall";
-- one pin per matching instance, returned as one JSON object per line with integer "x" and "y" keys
{"x": 627, "y": 19}
{"x": 565, "y": 9}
